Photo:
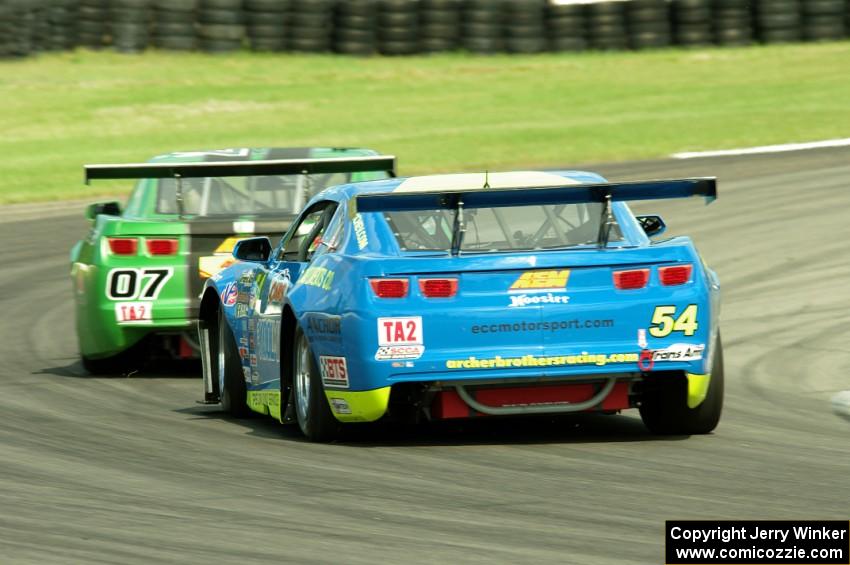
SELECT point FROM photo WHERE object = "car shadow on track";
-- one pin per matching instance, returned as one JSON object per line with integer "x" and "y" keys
{"x": 149, "y": 370}
{"x": 575, "y": 429}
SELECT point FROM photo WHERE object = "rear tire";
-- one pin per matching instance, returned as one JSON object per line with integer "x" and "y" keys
{"x": 312, "y": 411}
{"x": 227, "y": 368}
{"x": 664, "y": 407}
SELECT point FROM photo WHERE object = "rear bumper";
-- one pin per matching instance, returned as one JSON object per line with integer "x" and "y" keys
{"x": 470, "y": 398}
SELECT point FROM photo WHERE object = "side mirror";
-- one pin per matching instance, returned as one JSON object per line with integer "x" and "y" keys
{"x": 652, "y": 225}
{"x": 256, "y": 249}
{"x": 105, "y": 208}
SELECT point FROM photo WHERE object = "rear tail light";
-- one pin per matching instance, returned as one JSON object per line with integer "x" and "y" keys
{"x": 162, "y": 246}
{"x": 629, "y": 280}
{"x": 438, "y": 288}
{"x": 675, "y": 275}
{"x": 390, "y": 288}
{"x": 123, "y": 245}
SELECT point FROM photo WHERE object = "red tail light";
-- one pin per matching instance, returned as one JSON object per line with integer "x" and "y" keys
{"x": 123, "y": 245}
{"x": 162, "y": 246}
{"x": 629, "y": 280}
{"x": 390, "y": 288}
{"x": 438, "y": 288}
{"x": 675, "y": 275}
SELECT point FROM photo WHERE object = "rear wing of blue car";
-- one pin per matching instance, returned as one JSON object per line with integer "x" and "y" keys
{"x": 377, "y": 163}
{"x": 525, "y": 196}
{"x": 603, "y": 193}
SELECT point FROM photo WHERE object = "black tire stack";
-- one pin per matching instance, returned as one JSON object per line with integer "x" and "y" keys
{"x": 19, "y": 39}
{"x": 62, "y": 15}
{"x": 606, "y": 24}
{"x": 129, "y": 25}
{"x": 649, "y": 24}
{"x": 355, "y": 31}
{"x": 778, "y": 21}
{"x": 311, "y": 26}
{"x": 7, "y": 26}
{"x": 40, "y": 25}
{"x": 525, "y": 26}
{"x": 267, "y": 24}
{"x": 823, "y": 20}
{"x": 174, "y": 24}
{"x": 567, "y": 27}
{"x": 440, "y": 25}
{"x": 733, "y": 22}
{"x": 692, "y": 22}
{"x": 482, "y": 26}
{"x": 221, "y": 25}
{"x": 398, "y": 27}
{"x": 91, "y": 23}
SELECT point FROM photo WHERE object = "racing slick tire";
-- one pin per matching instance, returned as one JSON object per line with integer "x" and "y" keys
{"x": 228, "y": 370}
{"x": 664, "y": 407}
{"x": 312, "y": 411}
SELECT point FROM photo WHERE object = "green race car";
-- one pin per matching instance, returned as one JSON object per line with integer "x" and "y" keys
{"x": 138, "y": 273}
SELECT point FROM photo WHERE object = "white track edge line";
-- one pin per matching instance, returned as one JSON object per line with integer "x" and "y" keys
{"x": 764, "y": 149}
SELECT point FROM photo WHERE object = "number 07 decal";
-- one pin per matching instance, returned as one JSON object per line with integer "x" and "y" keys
{"x": 132, "y": 284}
{"x": 665, "y": 321}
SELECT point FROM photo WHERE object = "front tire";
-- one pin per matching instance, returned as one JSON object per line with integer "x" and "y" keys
{"x": 664, "y": 406}
{"x": 227, "y": 369}
{"x": 312, "y": 411}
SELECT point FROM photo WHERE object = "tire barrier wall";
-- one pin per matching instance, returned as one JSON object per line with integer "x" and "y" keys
{"x": 404, "y": 27}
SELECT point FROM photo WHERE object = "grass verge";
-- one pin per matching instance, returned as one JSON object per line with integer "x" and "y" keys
{"x": 438, "y": 113}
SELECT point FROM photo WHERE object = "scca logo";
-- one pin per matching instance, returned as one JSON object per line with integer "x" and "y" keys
{"x": 541, "y": 280}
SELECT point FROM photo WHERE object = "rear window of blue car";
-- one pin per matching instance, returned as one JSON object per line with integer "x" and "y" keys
{"x": 512, "y": 228}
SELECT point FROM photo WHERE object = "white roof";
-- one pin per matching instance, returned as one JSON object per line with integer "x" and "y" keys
{"x": 471, "y": 181}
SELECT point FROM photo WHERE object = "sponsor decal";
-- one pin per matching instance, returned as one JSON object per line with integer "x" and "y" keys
{"x": 241, "y": 152}
{"x": 255, "y": 377}
{"x": 642, "y": 338}
{"x": 243, "y": 352}
{"x": 246, "y": 278}
{"x": 253, "y": 360}
{"x": 400, "y": 338}
{"x": 400, "y": 331}
{"x": 675, "y": 352}
{"x": 522, "y": 300}
{"x": 340, "y": 406}
{"x": 133, "y": 312}
{"x": 246, "y": 374}
{"x": 541, "y": 281}
{"x": 278, "y": 287}
{"x": 241, "y": 310}
{"x": 584, "y": 358}
{"x": 268, "y": 340}
{"x": 136, "y": 284}
{"x": 387, "y": 352}
{"x": 360, "y": 231}
{"x": 667, "y": 319}
{"x": 228, "y": 294}
{"x": 679, "y": 352}
{"x": 334, "y": 371}
{"x": 403, "y": 364}
{"x": 324, "y": 327}
{"x": 547, "y": 326}
{"x": 319, "y": 277}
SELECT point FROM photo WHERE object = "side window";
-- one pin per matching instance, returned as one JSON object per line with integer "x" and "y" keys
{"x": 306, "y": 236}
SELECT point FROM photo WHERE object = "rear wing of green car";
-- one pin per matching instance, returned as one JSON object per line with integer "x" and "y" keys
{"x": 377, "y": 163}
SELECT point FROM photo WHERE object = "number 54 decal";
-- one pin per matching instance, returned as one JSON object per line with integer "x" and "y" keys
{"x": 132, "y": 284}
{"x": 666, "y": 321}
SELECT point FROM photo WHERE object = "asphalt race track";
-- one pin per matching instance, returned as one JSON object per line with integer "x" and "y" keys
{"x": 130, "y": 470}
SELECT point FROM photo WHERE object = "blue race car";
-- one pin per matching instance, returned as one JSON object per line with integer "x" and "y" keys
{"x": 457, "y": 296}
